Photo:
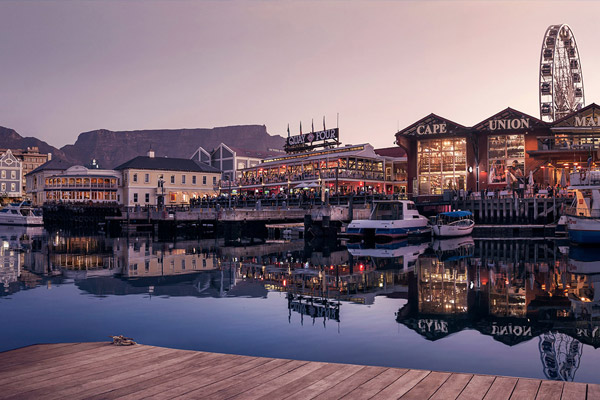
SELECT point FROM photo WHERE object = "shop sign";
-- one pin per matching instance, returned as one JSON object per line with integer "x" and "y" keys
{"x": 510, "y": 329}
{"x": 589, "y": 333}
{"x": 587, "y": 121}
{"x": 431, "y": 129}
{"x": 309, "y": 138}
{"x": 514, "y": 123}
{"x": 432, "y": 325}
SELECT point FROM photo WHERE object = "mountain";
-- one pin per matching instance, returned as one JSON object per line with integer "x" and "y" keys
{"x": 112, "y": 148}
{"x": 10, "y": 139}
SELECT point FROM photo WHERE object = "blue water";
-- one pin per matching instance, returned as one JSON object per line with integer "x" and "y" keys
{"x": 240, "y": 308}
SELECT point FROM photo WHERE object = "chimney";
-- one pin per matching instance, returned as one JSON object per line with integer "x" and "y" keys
{"x": 150, "y": 153}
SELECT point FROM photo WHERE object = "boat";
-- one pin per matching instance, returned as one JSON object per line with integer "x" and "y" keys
{"x": 21, "y": 214}
{"x": 583, "y": 216}
{"x": 400, "y": 254}
{"x": 390, "y": 219}
{"x": 453, "y": 223}
{"x": 454, "y": 249}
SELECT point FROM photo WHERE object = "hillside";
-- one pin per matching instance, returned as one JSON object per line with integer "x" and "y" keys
{"x": 10, "y": 139}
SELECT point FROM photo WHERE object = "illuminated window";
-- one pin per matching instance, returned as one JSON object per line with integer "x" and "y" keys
{"x": 506, "y": 155}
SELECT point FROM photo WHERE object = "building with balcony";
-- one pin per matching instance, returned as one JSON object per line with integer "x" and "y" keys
{"x": 36, "y": 180}
{"x": 150, "y": 180}
{"x": 350, "y": 168}
{"x": 79, "y": 184}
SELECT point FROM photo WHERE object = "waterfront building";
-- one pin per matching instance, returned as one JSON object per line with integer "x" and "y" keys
{"x": 11, "y": 171}
{"x": 30, "y": 159}
{"x": 150, "y": 180}
{"x": 79, "y": 184}
{"x": 500, "y": 152}
{"x": 231, "y": 160}
{"x": 36, "y": 180}
{"x": 345, "y": 169}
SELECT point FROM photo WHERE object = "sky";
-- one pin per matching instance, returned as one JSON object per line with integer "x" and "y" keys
{"x": 68, "y": 67}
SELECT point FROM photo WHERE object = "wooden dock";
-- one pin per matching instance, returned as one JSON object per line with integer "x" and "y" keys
{"x": 104, "y": 371}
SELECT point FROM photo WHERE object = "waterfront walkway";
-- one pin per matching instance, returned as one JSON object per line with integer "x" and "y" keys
{"x": 104, "y": 371}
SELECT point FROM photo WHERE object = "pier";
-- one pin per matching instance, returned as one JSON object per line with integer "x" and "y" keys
{"x": 104, "y": 371}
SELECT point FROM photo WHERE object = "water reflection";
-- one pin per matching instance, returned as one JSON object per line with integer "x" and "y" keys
{"x": 512, "y": 291}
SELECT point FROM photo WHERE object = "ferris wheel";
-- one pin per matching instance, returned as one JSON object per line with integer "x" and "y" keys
{"x": 561, "y": 79}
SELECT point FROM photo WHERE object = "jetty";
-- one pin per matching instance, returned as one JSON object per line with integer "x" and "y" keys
{"x": 105, "y": 371}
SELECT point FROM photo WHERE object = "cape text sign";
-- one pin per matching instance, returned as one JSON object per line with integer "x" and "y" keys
{"x": 431, "y": 129}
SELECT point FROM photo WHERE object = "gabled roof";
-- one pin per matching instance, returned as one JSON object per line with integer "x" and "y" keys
{"x": 261, "y": 154}
{"x": 420, "y": 127}
{"x": 395, "y": 151}
{"x": 591, "y": 110}
{"x": 166, "y": 164}
{"x": 54, "y": 164}
{"x": 509, "y": 114}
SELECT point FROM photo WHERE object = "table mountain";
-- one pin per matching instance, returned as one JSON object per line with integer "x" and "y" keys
{"x": 112, "y": 148}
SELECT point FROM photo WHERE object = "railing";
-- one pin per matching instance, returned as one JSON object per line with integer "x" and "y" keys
{"x": 574, "y": 142}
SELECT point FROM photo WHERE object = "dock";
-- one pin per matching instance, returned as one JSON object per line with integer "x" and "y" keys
{"x": 104, "y": 371}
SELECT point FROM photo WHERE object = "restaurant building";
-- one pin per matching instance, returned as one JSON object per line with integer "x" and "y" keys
{"x": 500, "y": 152}
{"x": 324, "y": 165}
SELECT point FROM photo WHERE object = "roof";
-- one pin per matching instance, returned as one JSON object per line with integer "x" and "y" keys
{"x": 253, "y": 153}
{"x": 457, "y": 214}
{"x": 395, "y": 151}
{"x": 54, "y": 164}
{"x": 166, "y": 164}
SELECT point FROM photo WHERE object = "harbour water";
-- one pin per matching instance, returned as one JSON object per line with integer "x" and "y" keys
{"x": 519, "y": 307}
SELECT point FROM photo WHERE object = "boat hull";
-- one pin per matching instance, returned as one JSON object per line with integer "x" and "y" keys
{"x": 388, "y": 229}
{"x": 21, "y": 220}
{"x": 583, "y": 230}
{"x": 452, "y": 231}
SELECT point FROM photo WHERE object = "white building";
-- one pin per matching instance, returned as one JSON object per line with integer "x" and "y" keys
{"x": 11, "y": 171}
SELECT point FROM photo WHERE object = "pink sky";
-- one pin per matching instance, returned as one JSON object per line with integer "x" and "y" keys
{"x": 69, "y": 67}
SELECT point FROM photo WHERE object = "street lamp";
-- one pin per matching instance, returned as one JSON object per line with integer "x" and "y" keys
{"x": 161, "y": 186}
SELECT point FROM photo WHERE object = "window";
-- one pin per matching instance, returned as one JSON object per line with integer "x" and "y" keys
{"x": 172, "y": 178}
{"x": 147, "y": 266}
{"x": 147, "y": 178}
{"x": 506, "y": 155}
{"x": 135, "y": 177}
{"x": 214, "y": 180}
{"x": 3, "y": 173}
{"x": 183, "y": 264}
{"x": 147, "y": 197}
{"x": 441, "y": 164}
{"x": 194, "y": 180}
{"x": 13, "y": 187}
{"x": 204, "y": 180}
{"x": 13, "y": 174}
{"x": 4, "y": 187}
{"x": 135, "y": 197}
{"x": 183, "y": 179}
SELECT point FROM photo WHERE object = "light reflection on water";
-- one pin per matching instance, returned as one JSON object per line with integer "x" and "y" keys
{"x": 508, "y": 307}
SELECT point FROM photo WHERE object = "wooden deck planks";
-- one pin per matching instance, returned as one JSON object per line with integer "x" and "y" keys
{"x": 377, "y": 384}
{"x": 550, "y": 390}
{"x": 103, "y": 371}
{"x": 526, "y": 389}
{"x": 452, "y": 388}
{"x": 477, "y": 387}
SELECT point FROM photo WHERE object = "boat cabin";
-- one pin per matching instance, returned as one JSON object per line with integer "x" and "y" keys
{"x": 393, "y": 210}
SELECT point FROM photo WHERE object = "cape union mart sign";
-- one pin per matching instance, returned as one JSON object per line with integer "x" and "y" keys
{"x": 309, "y": 138}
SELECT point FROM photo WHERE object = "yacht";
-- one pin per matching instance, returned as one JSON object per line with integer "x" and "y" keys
{"x": 390, "y": 219}
{"x": 583, "y": 217}
{"x": 20, "y": 214}
{"x": 453, "y": 223}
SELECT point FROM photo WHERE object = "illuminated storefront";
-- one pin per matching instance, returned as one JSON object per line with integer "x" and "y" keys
{"x": 492, "y": 154}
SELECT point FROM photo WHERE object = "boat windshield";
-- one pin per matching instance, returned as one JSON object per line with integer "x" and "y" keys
{"x": 387, "y": 211}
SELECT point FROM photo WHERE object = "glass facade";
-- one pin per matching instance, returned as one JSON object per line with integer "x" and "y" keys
{"x": 442, "y": 164}
{"x": 506, "y": 157}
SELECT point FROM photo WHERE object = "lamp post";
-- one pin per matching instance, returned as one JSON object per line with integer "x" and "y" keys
{"x": 161, "y": 198}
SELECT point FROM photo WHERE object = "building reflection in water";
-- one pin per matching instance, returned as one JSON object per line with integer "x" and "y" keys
{"x": 510, "y": 290}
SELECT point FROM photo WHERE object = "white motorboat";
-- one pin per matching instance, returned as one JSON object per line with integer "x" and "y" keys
{"x": 453, "y": 223}
{"x": 20, "y": 214}
{"x": 583, "y": 217}
{"x": 390, "y": 219}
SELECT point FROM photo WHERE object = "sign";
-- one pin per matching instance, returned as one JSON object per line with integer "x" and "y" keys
{"x": 432, "y": 326}
{"x": 431, "y": 129}
{"x": 307, "y": 141}
{"x": 510, "y": 329}
{"x": 514, "y": 123}
{"x": 587, "y": 121}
